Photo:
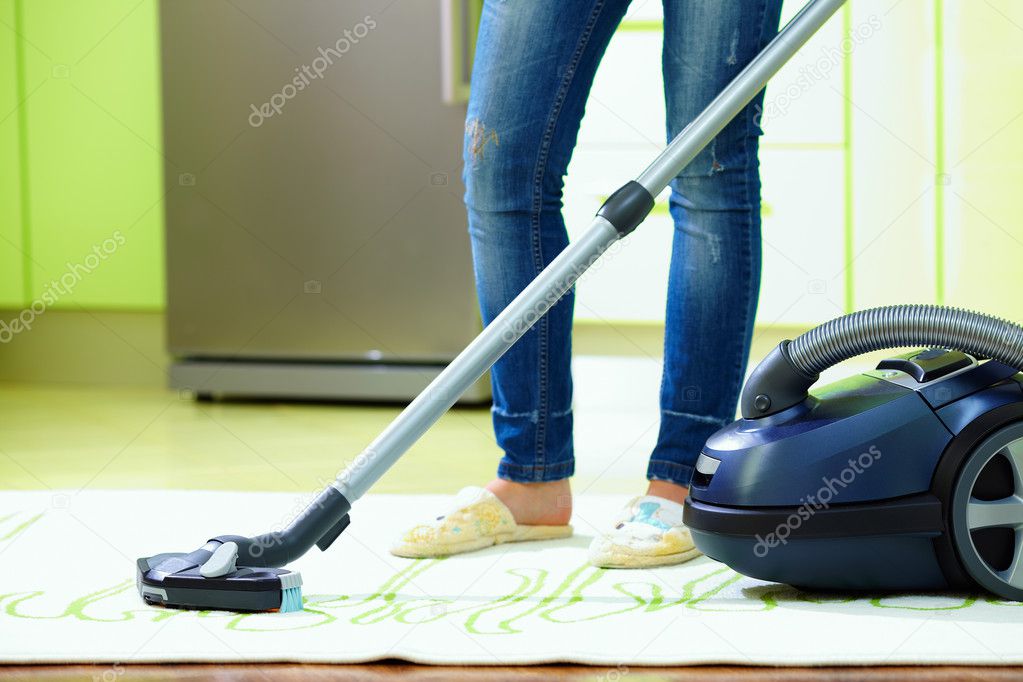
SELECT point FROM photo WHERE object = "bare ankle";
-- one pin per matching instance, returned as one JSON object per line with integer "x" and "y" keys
{"x": 668, "y": 490}
{"x": 545, "y": 503}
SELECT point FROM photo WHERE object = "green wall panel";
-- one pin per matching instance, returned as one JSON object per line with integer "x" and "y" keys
{"x": 94, "y": 161}
{"x": 11, "y": 250}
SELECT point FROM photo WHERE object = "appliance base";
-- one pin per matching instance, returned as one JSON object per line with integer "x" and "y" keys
{"x": 373, "y": 382}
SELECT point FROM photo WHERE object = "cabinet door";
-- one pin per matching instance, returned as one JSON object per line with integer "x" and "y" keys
{"x": 803, "y": 174}
{"x": 983, "y": 245}
{"x": 11, "y": 257}
{"x": 893, "y": 150}
{"x": 94, "y": 151}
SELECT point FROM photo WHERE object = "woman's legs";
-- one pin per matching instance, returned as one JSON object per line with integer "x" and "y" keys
{"x": 714, "y": 279}
{"x": 533, "y": 70}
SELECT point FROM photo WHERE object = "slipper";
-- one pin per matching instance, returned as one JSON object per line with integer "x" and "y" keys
{"x": 649, "y": 532}
{"x": 476, "y": 519}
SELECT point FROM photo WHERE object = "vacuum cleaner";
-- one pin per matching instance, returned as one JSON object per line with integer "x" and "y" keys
{"x": 919, "y": 516}
{"x": 906, "y": 477}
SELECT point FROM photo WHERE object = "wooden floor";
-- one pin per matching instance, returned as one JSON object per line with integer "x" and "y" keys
{"x": 412, "y": 673}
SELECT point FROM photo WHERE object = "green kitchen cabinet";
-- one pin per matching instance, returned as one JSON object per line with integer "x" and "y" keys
{"x": 12, "y": 293}
{"x": 94, "y": 161}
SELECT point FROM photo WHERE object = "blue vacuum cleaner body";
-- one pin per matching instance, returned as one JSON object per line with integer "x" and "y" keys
{"x": 903, "y": 478}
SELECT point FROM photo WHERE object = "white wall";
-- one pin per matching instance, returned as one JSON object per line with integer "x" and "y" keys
{"x": 804, "y": 154}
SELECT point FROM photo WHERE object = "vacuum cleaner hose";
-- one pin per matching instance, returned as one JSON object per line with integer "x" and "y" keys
{"x": 907, "y": 325}
{"x": 786, "y": 375}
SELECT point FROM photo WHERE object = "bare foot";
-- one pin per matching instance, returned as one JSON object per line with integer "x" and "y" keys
{"x": 669, "y": 491}
{"x": 535, "y": 504}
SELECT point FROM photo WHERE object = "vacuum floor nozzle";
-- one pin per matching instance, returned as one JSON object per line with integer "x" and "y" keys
{"x": 188, "y": 581}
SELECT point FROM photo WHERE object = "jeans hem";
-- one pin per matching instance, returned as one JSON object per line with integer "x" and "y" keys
{"x": 540, "y": 473}
{"x": 672, "y": 472}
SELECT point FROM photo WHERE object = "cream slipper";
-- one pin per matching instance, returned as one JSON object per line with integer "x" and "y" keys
{"x": 648, "y": 532}
{"x": 476, "y": 519}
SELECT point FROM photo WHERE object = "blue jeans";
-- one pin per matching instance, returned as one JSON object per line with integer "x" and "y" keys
{"x": 534, "y": 66}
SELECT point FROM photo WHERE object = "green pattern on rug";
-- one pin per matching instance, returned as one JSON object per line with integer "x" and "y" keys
{"x": 69, "y": 594}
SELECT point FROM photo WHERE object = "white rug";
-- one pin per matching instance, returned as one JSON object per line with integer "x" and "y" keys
{"x": 68, "y": 594}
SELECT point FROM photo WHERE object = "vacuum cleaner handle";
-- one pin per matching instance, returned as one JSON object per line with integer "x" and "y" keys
{"x": 785, "y": 376}
{"x": 620, "y": 215}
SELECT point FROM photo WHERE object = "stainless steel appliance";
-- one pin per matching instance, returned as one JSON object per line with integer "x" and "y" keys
{"x": 316, "y": 237}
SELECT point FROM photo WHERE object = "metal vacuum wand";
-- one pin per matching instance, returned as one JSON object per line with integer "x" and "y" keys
{"x": 620, "y": 215}
{"x": 623, "y": 211}
{"x": 222, "y": 573}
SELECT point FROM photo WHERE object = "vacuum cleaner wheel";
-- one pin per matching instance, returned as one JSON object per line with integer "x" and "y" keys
{"x": 987, "y": 513}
